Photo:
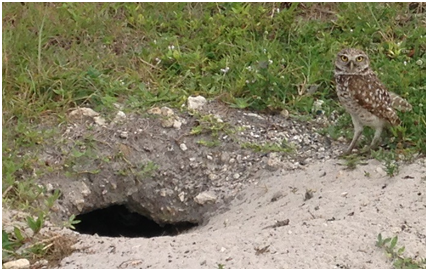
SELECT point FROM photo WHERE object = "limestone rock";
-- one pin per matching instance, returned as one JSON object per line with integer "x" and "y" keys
{"x": 154, "y": 111}
{"x": 205, "y": 197}
{"x": 196, "y": 103}
{"x": 86, "y": 114}
{"x": 100, "y": 121}
{"x": 18, "y": 264}
{"x": 167, "y": 112}
{"x": 183, "y": 147}
{"x": 120, "y": 117}
{"x": 167, "y": 123}
{"x": 83, "y": 112}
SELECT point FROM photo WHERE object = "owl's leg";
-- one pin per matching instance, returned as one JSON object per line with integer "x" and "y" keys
{"x": 376, "y": 137}
{"x": 358, "y": 129}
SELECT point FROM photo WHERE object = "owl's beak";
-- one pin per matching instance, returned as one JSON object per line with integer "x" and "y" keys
{"x": 351, "y": 65}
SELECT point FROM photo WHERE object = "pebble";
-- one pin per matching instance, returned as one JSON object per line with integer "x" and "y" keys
{"x": 40, "y": 264}
{"x": 83, "y": 112}
{"x": 85, "y": 189}
{"x": 120, "y": 116}
{"x": 212, "y": 177}
{"x": 177, "y": 124}
{"x": 181, "y": 196}
{"x": 285, "y": 113}
{"x": 167, "y": 123}
{"x": 204, "y": 198}
{"x": 196, "y": 103}
{"x": 123, "y": 135}
{"x": 18, "y": 264}
{"x": 154, "y": 111}
{"x": 100, "y": 121}
{"x": 183, "y": 147}
{"x": 396, "y": 229}
{"x": 79, "y": 203}
{"x": 254, "y": 115}
{"x": 166, "y": 111}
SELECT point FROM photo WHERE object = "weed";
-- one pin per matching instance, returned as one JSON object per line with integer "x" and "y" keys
{"x": 389, "y": 159}
{"x": 220, "y": 266}
{"x": 396, "y": 255}
{"x": 71, "y": 222}
{"x": 391, "y": 167}
{"x": 269, "y": 147}
{"x": 36, "y": 225}
{"x": 352, "y": 161}
{"x": 147, "y": 170}
{"x": 50, "y": 200}
{"x": 212, "y": 124}
{"x": 9, "y": 245}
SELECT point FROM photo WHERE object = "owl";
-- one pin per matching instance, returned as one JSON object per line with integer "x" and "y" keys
{"x": 364, "y": 97}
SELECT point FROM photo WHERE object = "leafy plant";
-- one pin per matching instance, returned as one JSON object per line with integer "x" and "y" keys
{"x": 396, "y": 255}
{"x": 71, "y": 222}
{"x": 8, "y": 246}
{"x": 212, "y": 124}
{"x": 50, "y": 200}
{"x": 147, "y": 170}
{"x": 35, "y": 225}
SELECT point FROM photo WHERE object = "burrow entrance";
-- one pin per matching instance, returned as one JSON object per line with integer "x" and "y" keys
{"x": 117, "y": 220}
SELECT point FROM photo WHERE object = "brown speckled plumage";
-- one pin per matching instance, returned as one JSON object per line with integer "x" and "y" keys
{"x": 364, "y": 96}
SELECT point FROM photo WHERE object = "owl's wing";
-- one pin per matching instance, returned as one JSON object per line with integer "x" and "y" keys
{"x": 399, "y": 103}
{"x": 372, "y": 95}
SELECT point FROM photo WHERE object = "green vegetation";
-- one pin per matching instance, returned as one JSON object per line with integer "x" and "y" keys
{"x": 212, "y": 124}
{"x": 269, "y": 147}
{"x": 259, "y": 56}
{"x": 396, "y": 255}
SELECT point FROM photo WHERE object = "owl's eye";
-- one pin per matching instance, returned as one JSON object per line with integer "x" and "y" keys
{"x": 344, "y": 58}
{"x": 360, "y": 58}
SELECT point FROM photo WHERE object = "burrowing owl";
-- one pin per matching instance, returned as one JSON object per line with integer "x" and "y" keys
{"x": 364, "y": 96}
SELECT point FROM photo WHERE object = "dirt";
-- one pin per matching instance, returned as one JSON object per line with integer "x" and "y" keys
{"x": 336, "y": 228}
{"x": 297, "y": 208}
{"x": 159, "y": 172}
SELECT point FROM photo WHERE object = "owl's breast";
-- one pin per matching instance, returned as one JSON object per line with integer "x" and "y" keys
{"x": 359, "y": 97}
{"x": 342, "y": 87}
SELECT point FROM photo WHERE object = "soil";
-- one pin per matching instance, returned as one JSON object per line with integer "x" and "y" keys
{"x": 220, "y": 168}
{"x": 269, "y": 224}
{"x": 158, "y": 171}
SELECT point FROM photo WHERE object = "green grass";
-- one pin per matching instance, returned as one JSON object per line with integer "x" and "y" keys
{"x": 269, "y": 147}
{"x": 258, "y": 56}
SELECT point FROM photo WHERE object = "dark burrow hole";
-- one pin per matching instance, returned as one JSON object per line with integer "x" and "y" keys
{"x": 117, "y": 220}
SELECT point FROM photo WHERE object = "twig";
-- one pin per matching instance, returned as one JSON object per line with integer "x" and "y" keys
{"x": 148, "y": 64}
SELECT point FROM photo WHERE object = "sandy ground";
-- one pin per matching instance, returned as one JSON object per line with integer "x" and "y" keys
{"x": 336, "y": 228}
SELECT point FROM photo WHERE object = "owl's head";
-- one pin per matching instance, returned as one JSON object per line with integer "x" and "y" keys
{"x": 352, "y": 61}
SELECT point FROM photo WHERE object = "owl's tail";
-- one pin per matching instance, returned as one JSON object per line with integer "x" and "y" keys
{"x": 399, "y": 103}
